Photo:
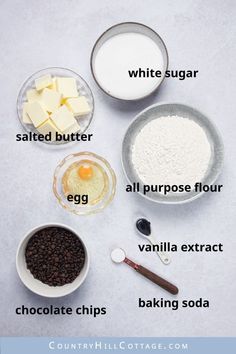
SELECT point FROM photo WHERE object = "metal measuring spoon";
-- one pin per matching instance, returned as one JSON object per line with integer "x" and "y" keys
{"x": 144, "y": 228}
{"x": 118, "y": 256}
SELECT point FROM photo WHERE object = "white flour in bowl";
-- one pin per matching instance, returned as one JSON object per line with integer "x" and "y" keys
{"x": 171, "y": 150}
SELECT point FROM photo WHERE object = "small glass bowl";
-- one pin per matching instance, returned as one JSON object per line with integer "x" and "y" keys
{"x": 82, "y": 86}
{"x": 86, "y": 209}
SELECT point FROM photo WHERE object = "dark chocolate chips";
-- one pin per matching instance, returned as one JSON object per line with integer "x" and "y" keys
{"x": 55, "y": 256}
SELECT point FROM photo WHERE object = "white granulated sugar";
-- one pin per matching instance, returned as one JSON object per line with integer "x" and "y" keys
{"x": 171, "y": 150}
{"x": 124, "y": 52}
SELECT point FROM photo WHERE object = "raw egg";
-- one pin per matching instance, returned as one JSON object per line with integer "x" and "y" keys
{"x": 86, "y": 178}
{"x": 85, "y": 172}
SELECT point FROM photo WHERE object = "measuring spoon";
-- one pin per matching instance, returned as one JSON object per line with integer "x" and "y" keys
{"x": 144, "y": 228}
{"x": 118, "y": 256}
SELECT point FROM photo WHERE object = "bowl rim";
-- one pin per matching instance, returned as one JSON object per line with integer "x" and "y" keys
{"x": 97, "y": 42}
{"x": 113, "y": 177}
{"x": 29, "y": 234}
{"x": 22, "y": 88}
{"x": 217, "y": 132}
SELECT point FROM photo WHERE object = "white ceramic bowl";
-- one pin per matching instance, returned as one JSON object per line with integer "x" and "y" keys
{"x": 36, "y": 285}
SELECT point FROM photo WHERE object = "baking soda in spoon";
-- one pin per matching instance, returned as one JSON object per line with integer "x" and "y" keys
{"x": 118, "y": 256}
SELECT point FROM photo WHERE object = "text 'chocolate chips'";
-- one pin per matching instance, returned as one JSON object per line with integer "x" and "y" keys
{"x": 55, "y": 256}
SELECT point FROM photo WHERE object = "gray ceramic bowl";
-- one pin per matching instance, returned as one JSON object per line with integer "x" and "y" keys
{"x": 126, "y": 27}
{"x": 170, "y": 109}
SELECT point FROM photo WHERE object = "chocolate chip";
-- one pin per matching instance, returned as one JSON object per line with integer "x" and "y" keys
{"x": 55, "y": 256}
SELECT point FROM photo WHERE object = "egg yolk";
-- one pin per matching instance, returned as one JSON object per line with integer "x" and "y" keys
{"x": 85, "y": 172}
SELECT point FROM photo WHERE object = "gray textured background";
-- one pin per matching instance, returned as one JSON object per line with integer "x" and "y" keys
{"x": 199, "y": 35}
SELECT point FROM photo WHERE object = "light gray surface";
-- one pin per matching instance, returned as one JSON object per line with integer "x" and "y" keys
{"x": 199, "y": 35}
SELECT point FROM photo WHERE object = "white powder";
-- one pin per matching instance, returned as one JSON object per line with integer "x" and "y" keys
{"x": 171, "y": 150}
{"x": 123, "y": 52}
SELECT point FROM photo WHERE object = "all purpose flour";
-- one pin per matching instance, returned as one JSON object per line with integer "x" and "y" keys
{"x": 171, "y": 150}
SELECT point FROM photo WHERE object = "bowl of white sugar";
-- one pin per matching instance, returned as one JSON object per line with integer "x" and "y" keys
{"x": 128, "y": 61}
{"x": 172, "y": 153}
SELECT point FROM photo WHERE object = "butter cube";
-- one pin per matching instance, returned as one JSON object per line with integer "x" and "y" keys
{"x": 51, "y": 99}
{"x": 37, "y": 113}
{"x": 63, "y": 118}
{"x": 73, "y": 129}
{"x": 25, "y": 117}
{"x": 53, "y": 86}
{"x": 78, "y": 106}
{"x": 67, "y": 87}
{"x": 33, "y": 95}
{"x": 43, "y": 81}
{"x": 48, "y": 127}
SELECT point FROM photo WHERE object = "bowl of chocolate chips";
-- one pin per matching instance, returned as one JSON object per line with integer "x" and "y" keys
{"x": 52, "y": 260}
